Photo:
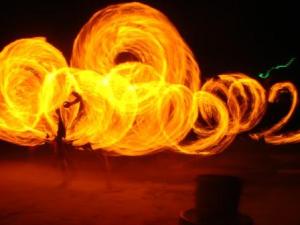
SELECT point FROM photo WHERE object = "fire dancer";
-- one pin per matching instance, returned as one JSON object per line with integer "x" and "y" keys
{"x": 60, "y": 146}
{"x": 60, "y": 149}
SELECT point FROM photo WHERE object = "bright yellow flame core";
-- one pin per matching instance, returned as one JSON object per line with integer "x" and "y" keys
{"x": 139, "y": 88}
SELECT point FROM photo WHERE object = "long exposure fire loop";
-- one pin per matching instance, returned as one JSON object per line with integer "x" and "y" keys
{"x": 132, "y": 87}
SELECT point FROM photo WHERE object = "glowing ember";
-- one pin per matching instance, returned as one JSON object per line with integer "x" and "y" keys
{"x": 133, "y": 87}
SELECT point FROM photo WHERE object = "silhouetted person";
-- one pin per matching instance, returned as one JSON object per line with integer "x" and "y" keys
{"x": 60, "y": 146}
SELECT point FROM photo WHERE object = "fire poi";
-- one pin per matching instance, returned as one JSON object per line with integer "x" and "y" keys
{"x": 139, "y": 87}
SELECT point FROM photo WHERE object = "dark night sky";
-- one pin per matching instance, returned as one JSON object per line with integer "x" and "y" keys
{"x": 225, "y": 36}
{"x": 246, "y": 36}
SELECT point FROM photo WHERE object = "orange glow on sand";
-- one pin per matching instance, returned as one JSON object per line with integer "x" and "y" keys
{"x": 136, "y": 88}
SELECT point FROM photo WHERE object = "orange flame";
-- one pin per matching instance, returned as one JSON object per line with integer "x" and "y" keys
{"x": 132, "y": 88}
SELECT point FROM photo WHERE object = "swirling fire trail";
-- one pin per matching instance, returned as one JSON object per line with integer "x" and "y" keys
{"x": 136, "y": 89}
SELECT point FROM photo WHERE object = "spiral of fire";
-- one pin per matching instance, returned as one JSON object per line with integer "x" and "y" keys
{"x": 136, "y": 87}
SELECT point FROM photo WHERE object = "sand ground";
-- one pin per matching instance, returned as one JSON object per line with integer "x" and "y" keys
{"x": 150, "y": 190}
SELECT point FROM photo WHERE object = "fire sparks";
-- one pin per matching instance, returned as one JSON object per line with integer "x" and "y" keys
{"x": 132, "y": 88}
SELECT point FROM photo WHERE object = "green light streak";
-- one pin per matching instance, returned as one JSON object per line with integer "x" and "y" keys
{"x": 268, "y": 73}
